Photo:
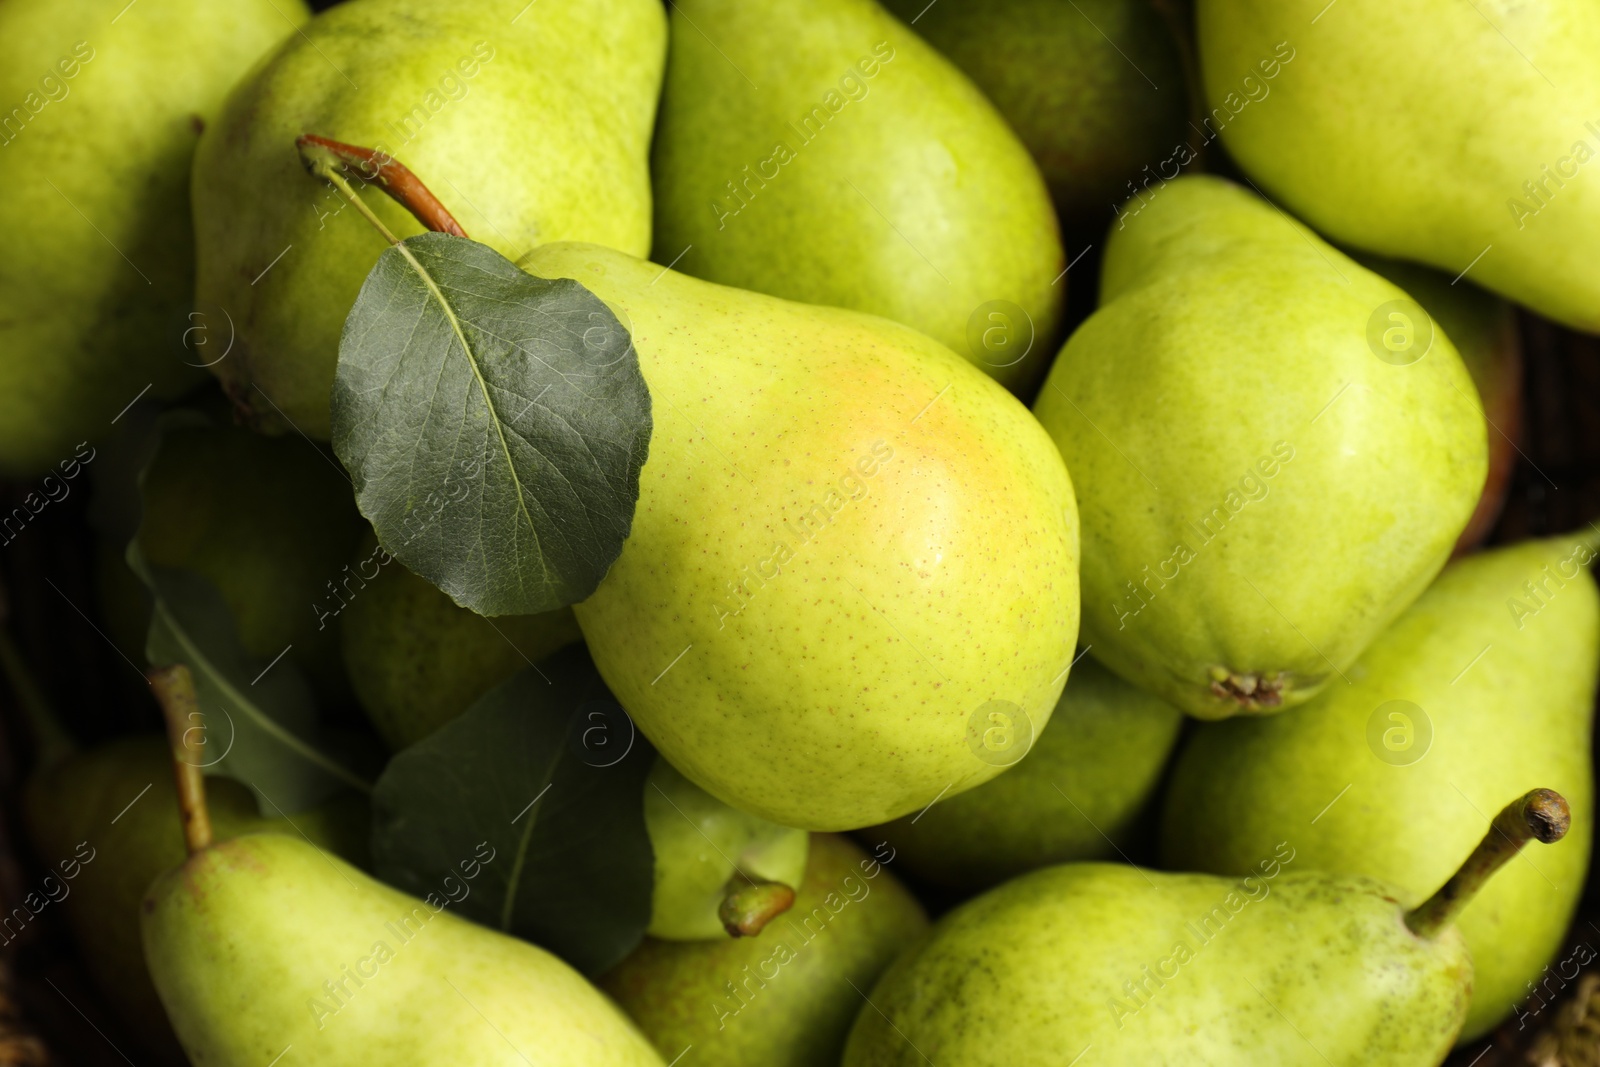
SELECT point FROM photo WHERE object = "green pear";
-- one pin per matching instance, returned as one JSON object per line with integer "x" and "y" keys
{"x": 417, "y": 660}
{"x": 265, "y": 943}
{"x": 1474, "y": 153}
{"x": 117, "y": 803}
{"x": 100, "y": 108}
{"x": 1080, "y": 794}
{"x": 1483, "y": 687}
{"x": 785, "y": 998}
{"x": 1264, "y": 483}
{"x": 270, "y": 523}
{"x": 1095, "y": 90}
{"x": 1112, "y": 964}
{"x": 719, "y": 871}
{"x": 819, "y": 150}
{"x": 529, "y": 126}
{"x": 1484, "y": 331}
{"x": 852, "y": 553}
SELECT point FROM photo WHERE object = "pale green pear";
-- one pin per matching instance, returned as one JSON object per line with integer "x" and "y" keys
{"x": 529, "y": 125}
{"x": 1484, "y": 330}
{"x": 416, "y": 659}
{"x": 783, "y": 998}
{"x": 708, "y": 855}
{"x": 265, "y": 944}
{"x": 107, "y": 817}
{"x": 1484, "y": 687}
{"x": 1273, "y": 449}
{"x": 1095, "y": 89}
{"x": 100, "y": 108}
{"x": 1464, "y": 137}
{"x": 819, "y": 150}
{"x": 852, "y": 551}
{"x": 1080, "y": 794}
{"x": 1103, "y": 963}
{"x": 271, "y": 524}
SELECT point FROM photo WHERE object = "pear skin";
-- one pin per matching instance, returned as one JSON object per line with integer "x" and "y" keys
{"x": 264, "y": 943}
{"x": 1486, "y": 170}
{"x": 1294, "y": 969}
{"x": 1082, "y": 792}
{"x": 1264, "y": 485}
{"x": 791, "y": 1003}
{"x": 1484, "y": 687}
{"x": 103, "y": 109}
{"x": 865, "y": 172}
{"x": 529, "y": 129}
{"x": 1095, "y": 89}
{"x": 851, "y": 552}
{"x": 418, "y": 660}
{"x": 119, "y": 801}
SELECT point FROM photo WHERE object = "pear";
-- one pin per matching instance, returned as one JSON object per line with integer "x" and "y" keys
{"x": 853, "y": 560}
{"x": 718, "y": 870}
{"x": 1484, "y": 330}
{"x": 1081, "y": 793}
{"x": 417, "y": 660}
{"x": 112, "y": 808}
{"x": 1113, "y": 964}
{"x": 1485, "y": 170}
{"x": 1094, "y": 90}
{"x": 102, "y": 107}
{"x": 1231, "y": 415}
{"x": 265, "y": 943}
{"x": 785, "y": 998}
{"x": 823, "y": 152}
{"x": 271, "y": 524}
{"x": 530, "y": 126}
{"x": 1484, "y": 686}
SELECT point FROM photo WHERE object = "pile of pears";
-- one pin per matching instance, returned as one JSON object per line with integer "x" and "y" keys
{"x": 1061, "y": 609}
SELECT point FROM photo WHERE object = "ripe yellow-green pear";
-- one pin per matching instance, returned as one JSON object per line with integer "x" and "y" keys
{"x": 783, "y": 998}
{"x": 100, "y": 108}
{"x": 1287, "y": 966}
{"x": 821, "y": 151}
{"x": 1474, "y": 153}
{"x": 852, "y": 553}
{"x": 529, "y": 126}
{"x": 107, "y": 816}
{"x": 1274, "y": 452}
{"x": 1483, "y": 687}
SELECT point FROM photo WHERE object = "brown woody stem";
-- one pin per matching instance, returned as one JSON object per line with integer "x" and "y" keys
{"x": 174, "y": 688}
{"x": 334, "y": 160}
{"x": 751, "y": 905}
{"x": 1541, "y": 815}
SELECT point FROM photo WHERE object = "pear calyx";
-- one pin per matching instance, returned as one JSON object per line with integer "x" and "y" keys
{"x": 333, "y": 160}
{"x": 751, "y": 904}
{"x": 1251, "y": 691}
{"x": 1541, "y": 815}
{"x": 174, "y": 689}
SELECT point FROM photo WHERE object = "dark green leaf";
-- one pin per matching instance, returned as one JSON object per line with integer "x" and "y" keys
{"x": 527, "y": 814}
{"x": 495, "y": 424}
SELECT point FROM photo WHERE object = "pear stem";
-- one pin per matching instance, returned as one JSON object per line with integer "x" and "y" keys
{"x": 332, "y": 160}
{"x": 174, "y": 688}
{"x": 751, "y": 905}
{"x": 1541, "y": 815}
